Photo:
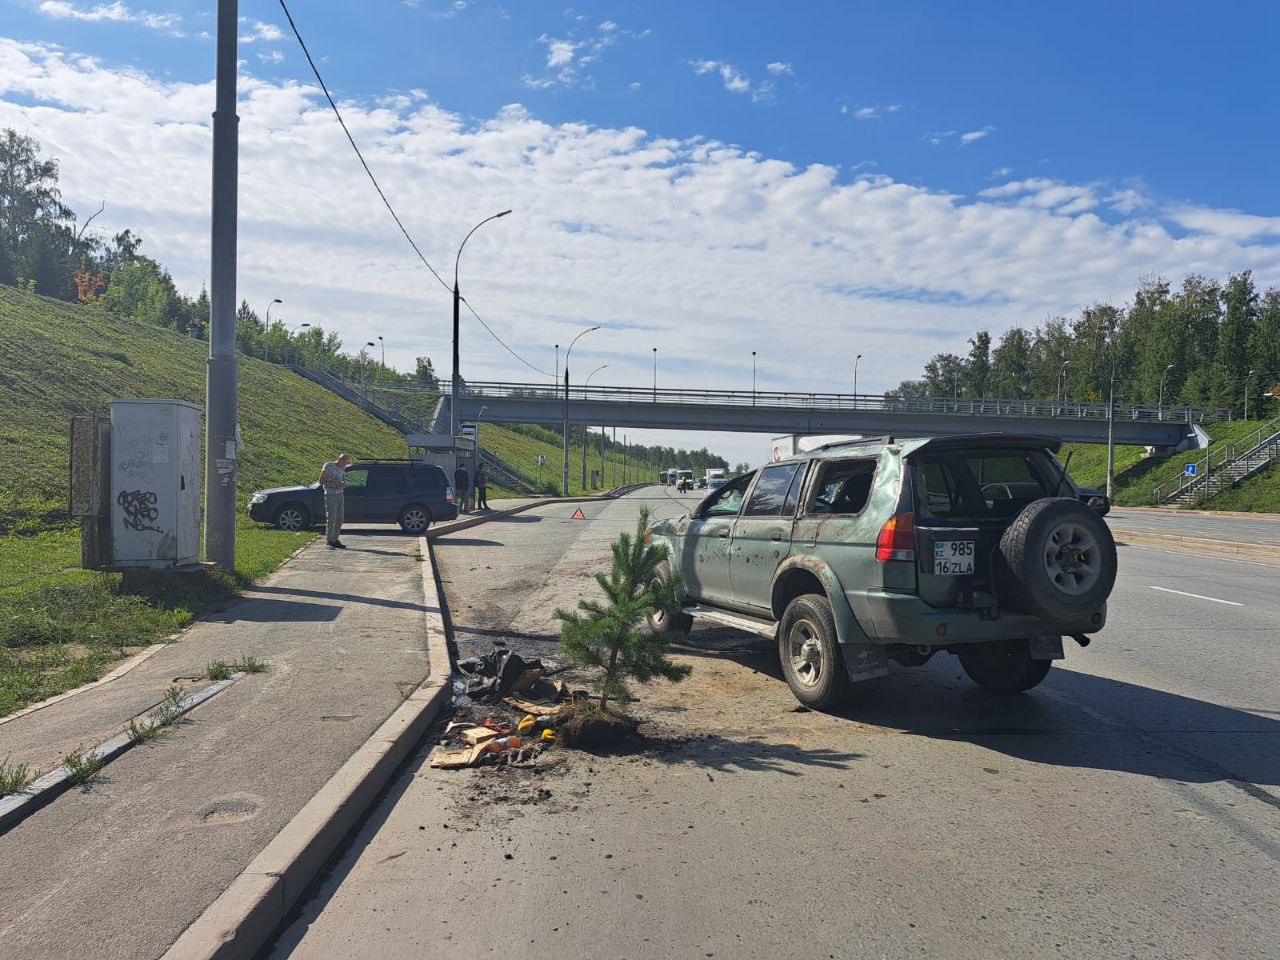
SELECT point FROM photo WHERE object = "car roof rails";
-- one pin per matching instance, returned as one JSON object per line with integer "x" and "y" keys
{"x": 886, "y": 439}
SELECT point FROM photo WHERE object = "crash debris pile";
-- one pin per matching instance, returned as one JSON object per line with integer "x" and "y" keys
{"x": 521, "y": 705}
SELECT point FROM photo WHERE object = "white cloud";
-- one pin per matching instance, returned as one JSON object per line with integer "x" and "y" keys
{"x": 256, "y": 30}
{"x": 117, "y": 12}
{"x": 975, "y": 135}
{"x": 867, "y": 113}
{"x": 271, "y": 56}
{"x": 780, "y": 69}
{"x": 937, "y": 137}
{"x": 566, "y": 56}
{"x": 734, "y": 80}
{"x": 693, "y": 245}
{"x": 1000, "y": 172}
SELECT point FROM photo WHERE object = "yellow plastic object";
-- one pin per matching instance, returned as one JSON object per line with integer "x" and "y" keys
{"x": 548, "y": 736}
{"x": 527, "y": 723}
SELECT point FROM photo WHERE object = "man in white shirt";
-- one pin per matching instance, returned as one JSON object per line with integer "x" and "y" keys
{"x": 333, "y": 478}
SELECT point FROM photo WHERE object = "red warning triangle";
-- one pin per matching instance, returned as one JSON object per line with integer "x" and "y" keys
{"x": 578, "y": 515}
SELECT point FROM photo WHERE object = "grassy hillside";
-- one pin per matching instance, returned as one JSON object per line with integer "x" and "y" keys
{"x": 1137, "y": 476}
{"x": 58, "y": 624}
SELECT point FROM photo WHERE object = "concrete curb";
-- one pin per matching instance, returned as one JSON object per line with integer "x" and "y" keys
{"x": 1178, "y": 512}
{"x": 1226, "y": 548}
{"x": 250, "y": 911}
{"x": 35, "y": 795}
{"x": 116, "y": 674}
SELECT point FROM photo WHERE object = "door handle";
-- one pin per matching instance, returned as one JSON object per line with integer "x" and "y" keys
{"x": 723, "y": 534}
{"x": 776, "y": 535}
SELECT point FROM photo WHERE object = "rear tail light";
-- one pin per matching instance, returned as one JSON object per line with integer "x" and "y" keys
{"x": 897, "y": 539}
{"x": 448, "y": 494}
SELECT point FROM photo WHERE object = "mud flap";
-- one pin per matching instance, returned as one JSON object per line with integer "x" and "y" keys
{"x": 1045, "y": 648}
{"x": 866, "y": 661}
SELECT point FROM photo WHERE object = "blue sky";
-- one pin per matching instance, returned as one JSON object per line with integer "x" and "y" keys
{"x": 709, "y": 177}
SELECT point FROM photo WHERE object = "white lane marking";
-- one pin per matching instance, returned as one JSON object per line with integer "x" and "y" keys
{"x": 1198, "y": 596}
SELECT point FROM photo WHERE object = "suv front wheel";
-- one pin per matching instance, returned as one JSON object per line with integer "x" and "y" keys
{"x": 810, "y": 652}
{"x": 1003, "y": 666}
{"x": 415, "y": 518}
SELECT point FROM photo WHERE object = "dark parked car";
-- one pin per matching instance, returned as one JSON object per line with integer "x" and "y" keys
{"x": 414, "y": 495}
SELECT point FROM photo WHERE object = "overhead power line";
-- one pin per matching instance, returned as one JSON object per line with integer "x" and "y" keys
{"x": 387, "y": 203}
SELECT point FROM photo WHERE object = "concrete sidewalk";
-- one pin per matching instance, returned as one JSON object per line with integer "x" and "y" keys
{"x": 123, "y": 866}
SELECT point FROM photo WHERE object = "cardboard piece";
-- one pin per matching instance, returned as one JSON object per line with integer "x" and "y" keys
{"x": 474, "y": 736}
{"x": 452, "y": 757}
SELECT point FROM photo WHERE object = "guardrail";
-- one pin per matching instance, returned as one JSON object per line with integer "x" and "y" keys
{"x": 984, "y": 406}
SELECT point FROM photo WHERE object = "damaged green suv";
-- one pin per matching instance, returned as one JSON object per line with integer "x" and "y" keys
{"x": 863, "y": 553}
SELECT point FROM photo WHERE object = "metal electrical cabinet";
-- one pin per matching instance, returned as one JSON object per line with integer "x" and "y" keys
{"x": 155, "y": 483}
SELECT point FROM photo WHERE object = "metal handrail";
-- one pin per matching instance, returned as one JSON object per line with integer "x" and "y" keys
{"x": 1265, "y": 436}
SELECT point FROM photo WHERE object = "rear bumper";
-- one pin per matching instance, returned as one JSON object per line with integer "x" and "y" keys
{"x": 444, "y": 512}
{"x": 904, "y": 618}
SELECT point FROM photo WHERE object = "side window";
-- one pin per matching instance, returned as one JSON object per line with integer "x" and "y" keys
{"x": 386, "y": 480}
{"x": 726, "y": 501}
{"x": 844, "y": 486}
{"x": 357, "y": 478}
{"x": 425, "y": 479}
{"x": 793, "y": 494}
{"x": 770, "y": 493}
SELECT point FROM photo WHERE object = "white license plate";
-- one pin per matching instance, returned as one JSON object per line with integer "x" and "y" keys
{"x": 953, "y": 558}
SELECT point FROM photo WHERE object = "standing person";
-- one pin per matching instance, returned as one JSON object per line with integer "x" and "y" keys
{"x": 461, "y": 481}
{"x": 333, "y": 478}
{"x": 482, "y": 487}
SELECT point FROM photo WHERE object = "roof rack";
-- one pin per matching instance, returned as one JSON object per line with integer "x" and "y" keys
{"x": 852, "y": 443}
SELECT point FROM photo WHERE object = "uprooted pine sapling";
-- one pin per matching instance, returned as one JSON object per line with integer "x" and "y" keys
{"x": 612, "y": 635}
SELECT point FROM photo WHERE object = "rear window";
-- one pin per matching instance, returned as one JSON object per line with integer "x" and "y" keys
{"x": 426, "y": 478}
{"x": 844, "y": 486}
{"x": 982, "y": 485}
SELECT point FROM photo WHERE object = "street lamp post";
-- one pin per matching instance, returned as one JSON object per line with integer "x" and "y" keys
{"x": 457, "y": 301}
{"x": 655, "y": 374}
{"x": 368, "y": 343}
{"x": 383, "y": 344}
{"x": 586, "y": 436}
{"x": 293, "y": 333}
{"x": 753, "y": 378}
{"x": 1248, "y": 379}
{"x": 564, "y": 466}
{"x": 1062, "y": 373}
{"x": 1111, "y": 422}
{"x": 1160, "y": 399}
{"x": 266, "y": 331}
{"x": 855, "y": 379}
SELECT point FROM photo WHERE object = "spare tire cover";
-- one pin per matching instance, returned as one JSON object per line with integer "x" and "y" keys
{"x": 1057, "y": 560}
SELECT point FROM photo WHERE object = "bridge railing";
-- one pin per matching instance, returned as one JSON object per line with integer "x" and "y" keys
{"x": 968, "y": 406}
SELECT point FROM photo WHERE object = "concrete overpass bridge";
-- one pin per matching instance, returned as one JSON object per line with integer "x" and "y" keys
{"x": 825, "y": 413}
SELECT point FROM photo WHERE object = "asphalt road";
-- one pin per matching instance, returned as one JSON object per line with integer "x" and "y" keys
{"x": 1128, "y": 807}
{"x": 1262, "y": 529}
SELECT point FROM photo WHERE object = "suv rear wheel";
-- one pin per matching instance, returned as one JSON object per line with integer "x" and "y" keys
{"x": 415, "y": 518}
{"x": 292, "y": 517}
{"x": 810, "y": 652}
{"x": 1003, "y": 666}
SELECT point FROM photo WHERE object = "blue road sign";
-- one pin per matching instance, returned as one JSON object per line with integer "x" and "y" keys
{"x": 1189, "y": 469}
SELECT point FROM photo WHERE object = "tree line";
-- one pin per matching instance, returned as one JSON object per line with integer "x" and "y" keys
{"x": 44, "y": 249}
{"x": 1203, "y": 343}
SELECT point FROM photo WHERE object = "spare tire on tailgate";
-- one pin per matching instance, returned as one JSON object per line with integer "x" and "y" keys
{"x": 1057, "y": 560}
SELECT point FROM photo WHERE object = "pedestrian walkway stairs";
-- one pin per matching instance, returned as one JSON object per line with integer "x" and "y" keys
{"x": 1223, "y": 468}
{"x": 383, "y": 405}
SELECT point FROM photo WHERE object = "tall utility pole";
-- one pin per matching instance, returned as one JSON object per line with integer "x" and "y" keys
{"x": 564, "y": 467}
{"x": 457, "y": 301}
{"x": 1111, "y": 422}
{"x": 856, "y": 360}
{"x": 221, "y": 402}
{"x": 655, "y": 374}
{"x": 266, "y": 331}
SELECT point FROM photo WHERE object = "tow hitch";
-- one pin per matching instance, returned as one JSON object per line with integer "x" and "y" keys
{"x": 1081, "y": 639}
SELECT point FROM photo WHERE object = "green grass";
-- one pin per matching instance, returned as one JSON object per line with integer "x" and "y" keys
{"x": 1136, "y": 476}
{"x": 60, "y": 626}
{"x": 521, "y": 452}
{"x": 14, "y": 776}
{"x": 82, "y": 766}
